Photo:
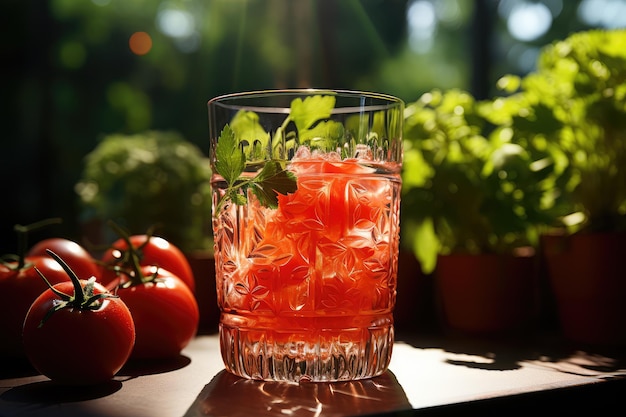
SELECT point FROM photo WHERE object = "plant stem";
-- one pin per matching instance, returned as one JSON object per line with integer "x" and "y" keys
{"x": 22, "y": 237}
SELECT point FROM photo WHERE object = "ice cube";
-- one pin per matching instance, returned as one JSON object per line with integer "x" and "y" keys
{"x": 363, "y": 151}
{"x": 303, "y": 152}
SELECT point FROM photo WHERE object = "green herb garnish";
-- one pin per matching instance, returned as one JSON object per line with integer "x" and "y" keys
{"x": 310, "y": 118}
{"x": 266, "y": 185}
{"x": 305, "y": 113}
{"x": 273, "y": 179}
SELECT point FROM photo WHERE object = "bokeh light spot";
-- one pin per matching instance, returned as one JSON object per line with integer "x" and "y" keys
{"x": 610, "y": 14}
{"x": 176, "y": 23}
{"x": 140, "y": 43}
{"x": 422, "y": 24}
{"x": 72, "y": 55}
{"x": 529, "y": 21}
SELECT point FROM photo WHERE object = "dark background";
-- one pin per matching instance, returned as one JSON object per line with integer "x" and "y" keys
{"x": 69, "y": 76}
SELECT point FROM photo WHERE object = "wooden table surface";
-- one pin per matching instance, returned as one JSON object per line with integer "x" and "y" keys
{"x": 424, "y": 377}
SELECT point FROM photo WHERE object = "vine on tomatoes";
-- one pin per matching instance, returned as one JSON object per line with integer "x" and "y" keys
{"x": 164, "y": 308}
{"x": 77, "y": 332}
{"x": 149, "y": 250}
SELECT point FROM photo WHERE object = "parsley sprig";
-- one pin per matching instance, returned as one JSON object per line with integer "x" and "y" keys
{"x": 266, "y": 185}
{"x": 273, "y": 178}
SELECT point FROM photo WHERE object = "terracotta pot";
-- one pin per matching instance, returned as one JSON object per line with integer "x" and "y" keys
{"x": 587, "y": 273}
{"x": 413, "y": 310}
{"x": 203, "y": 267}
{"x": 487, "y": 293}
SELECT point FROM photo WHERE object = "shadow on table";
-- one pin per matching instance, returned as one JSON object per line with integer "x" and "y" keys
{"x": 509, "y": 352}
{"x": 229, "y": 395}
{"x": 141, "y": 367}
{"x": 16, "y": 368}
{"x": 21, "y": 367}
{"x": 49, "y": 392}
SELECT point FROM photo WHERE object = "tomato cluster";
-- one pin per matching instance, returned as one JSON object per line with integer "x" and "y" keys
{"x": 79, "y": 319}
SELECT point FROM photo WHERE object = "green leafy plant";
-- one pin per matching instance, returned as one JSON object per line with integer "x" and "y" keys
{"x": 574, "y": 105}
{"x": 466, "y": 186}
{"x": 152, "y": 179}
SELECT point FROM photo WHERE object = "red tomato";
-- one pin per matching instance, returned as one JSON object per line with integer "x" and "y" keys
{"x": 78, "y": 345}
{"x": 71, "y": 252}
{"x": 19, "y": 287}
{"x": 151, "y": 250}
{"x": 165, "y": 313}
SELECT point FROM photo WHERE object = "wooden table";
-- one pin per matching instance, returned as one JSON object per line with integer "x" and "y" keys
{"x": 426, "y": 377}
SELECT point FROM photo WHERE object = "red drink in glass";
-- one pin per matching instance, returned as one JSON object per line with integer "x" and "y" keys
{"x": 307, "y": 289}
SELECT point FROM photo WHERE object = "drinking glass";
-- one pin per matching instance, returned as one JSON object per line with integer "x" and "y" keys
{"x": 306, "y": 195}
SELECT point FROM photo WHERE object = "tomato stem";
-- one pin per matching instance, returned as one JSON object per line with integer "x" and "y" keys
{"x": 79, "y": 296}
{"x": 22, "y": 237}
{"x": 83, "y": 297}
{"x": 137, "y": 276}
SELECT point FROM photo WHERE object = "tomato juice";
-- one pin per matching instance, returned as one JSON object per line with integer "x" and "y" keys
{"x": 307, "y": 289}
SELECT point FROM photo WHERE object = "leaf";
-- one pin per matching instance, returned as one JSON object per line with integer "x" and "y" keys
{"x": 245, "y": 138}
{"x": 237, "y": 198}
{"x": 250, "y": 133}
{"x": 230, "y": 160}
{"x": 324, "y": 135}
{"x": 305, "y": 113}
{"x": 426, "y": 245}
{"x": 271, "y": 181}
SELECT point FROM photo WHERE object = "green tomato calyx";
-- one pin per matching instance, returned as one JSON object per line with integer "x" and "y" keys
{"x": 83, "y": 297}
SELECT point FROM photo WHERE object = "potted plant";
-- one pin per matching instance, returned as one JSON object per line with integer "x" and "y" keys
{"x": 580, "y": 83}
{"x": 474, "y": 204}
{"x": 154, "y": 180}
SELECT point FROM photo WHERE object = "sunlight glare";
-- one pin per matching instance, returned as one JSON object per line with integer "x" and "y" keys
{"x": 176, "y": 23}
{"x": 180, "y": 26}
{"x": 610, "y": 14}
{"x": 529, "y": 21}
{"x": 422, "y": 23}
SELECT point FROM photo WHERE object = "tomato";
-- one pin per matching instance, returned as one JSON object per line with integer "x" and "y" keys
{"x": 19, "y": 287}
{"x": 71, "y": 252}
{"x": 151, "y": 250}
{"x": 164, "y": 310}
{"x": 77, "y": 333}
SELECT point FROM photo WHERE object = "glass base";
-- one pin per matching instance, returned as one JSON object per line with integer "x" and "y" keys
{"x": 322, "y": 355}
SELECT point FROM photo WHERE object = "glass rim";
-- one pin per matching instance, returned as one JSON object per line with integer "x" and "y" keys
{"x": 224, "y": 98}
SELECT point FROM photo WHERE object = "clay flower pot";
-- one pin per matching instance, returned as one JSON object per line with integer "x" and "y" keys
{"x": 487, "y": 293}
{"x": 587, "y": 273}
{"x": 413, "y": 311}
{"x": 203, "y": 266}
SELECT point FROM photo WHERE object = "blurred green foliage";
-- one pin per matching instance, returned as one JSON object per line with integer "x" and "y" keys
{"x": 466, "y": 186}
{"x": 490, "y": 176}
{"x": 149, "y": 180}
